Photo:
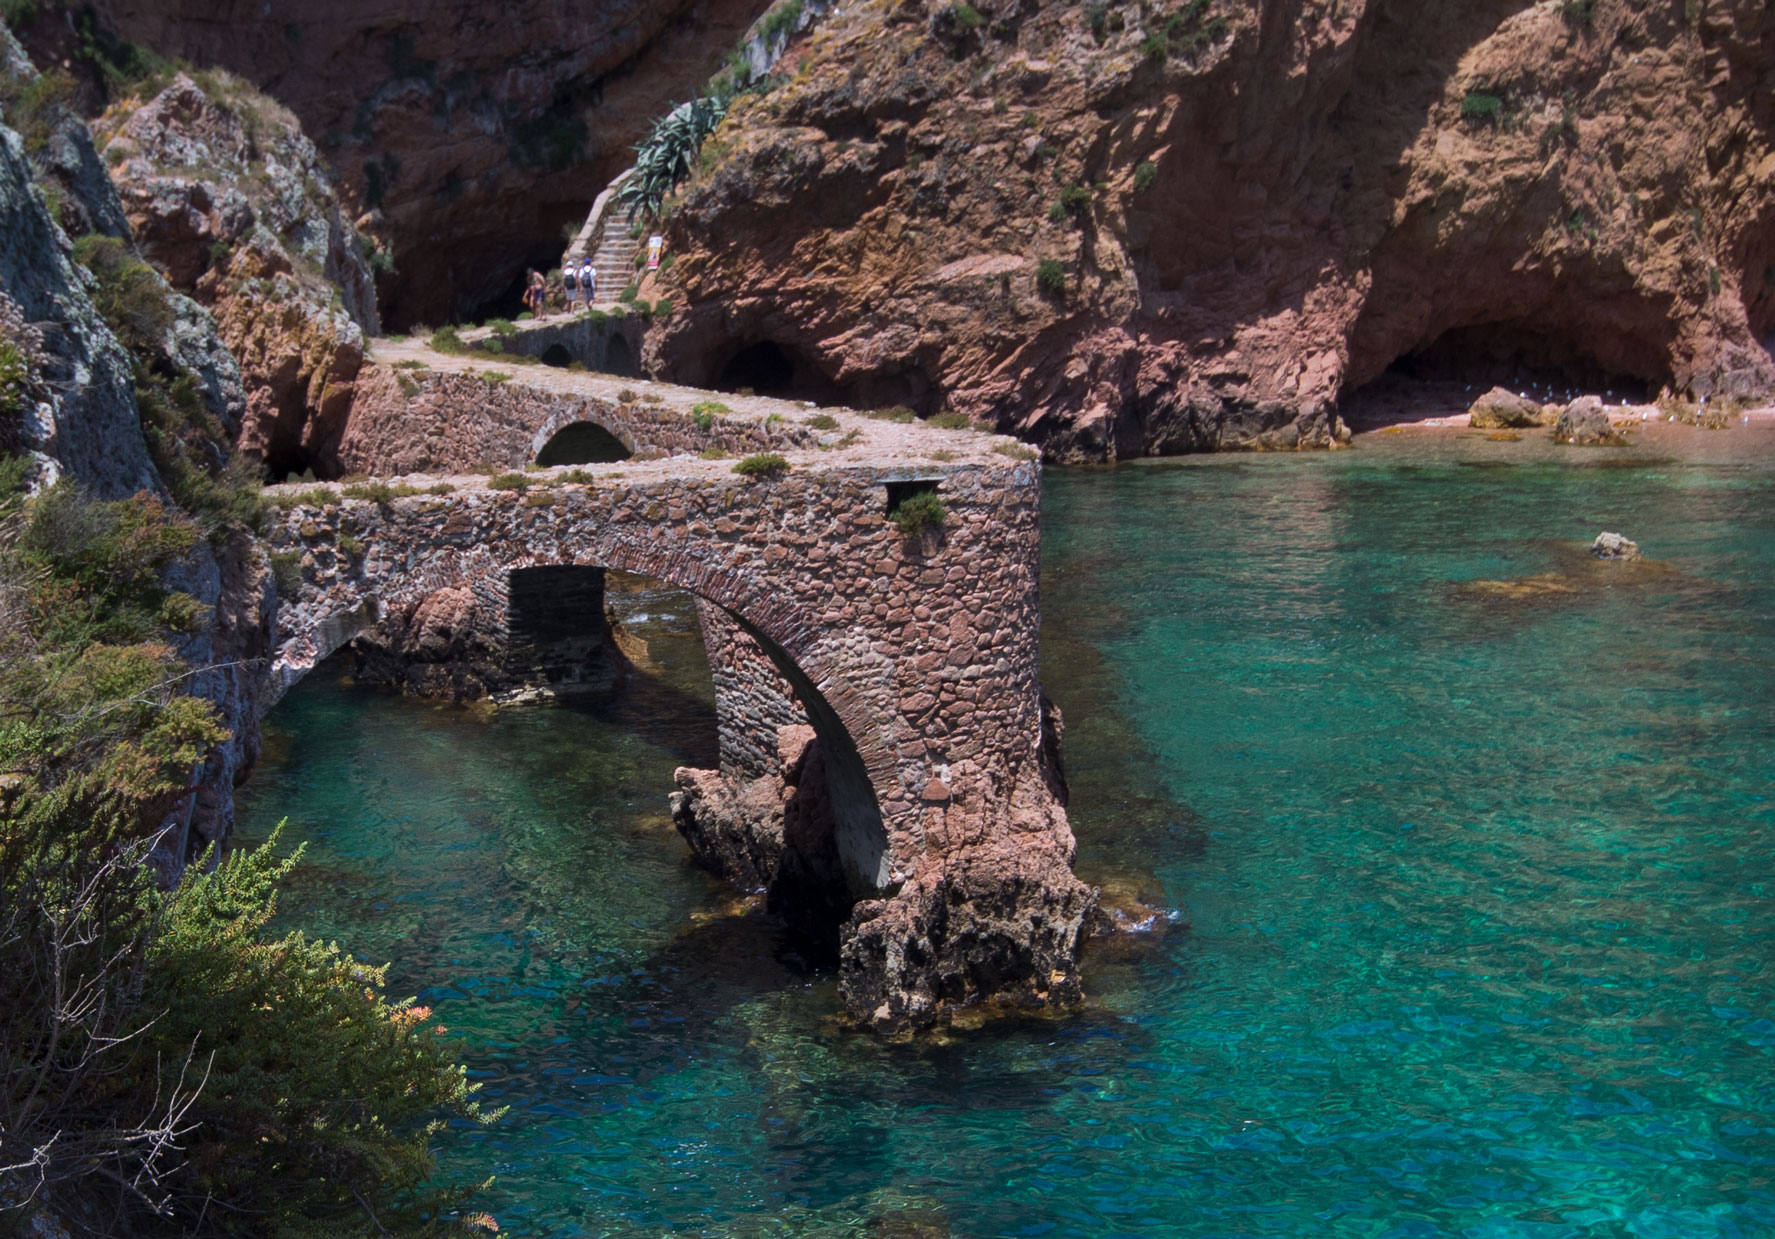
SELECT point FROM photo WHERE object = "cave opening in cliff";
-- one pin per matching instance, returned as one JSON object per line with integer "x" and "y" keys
{"x": 618, "y": 359}
{"x": 772, "y": 369}
{"x": 1549, "y": 364}
{"x": 582, "y": 443}
{"x": 556, "y": 355}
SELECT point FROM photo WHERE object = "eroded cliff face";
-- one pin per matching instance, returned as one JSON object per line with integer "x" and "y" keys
{"x": 1122, "y": 230}
{"x": 228, "y": 198}
{"x": 83, "y": 419}
{"x": 472, "y": 134}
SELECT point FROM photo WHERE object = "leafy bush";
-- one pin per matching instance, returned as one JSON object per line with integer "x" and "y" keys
{"x": 950, "y": 421}
{"x": 822, "y": 421}
{"x": 762, "y": 464}
{"x": 286, "y": 571}
{"x": 508, "y": 481}
{"x": 1578, "y": 12}
{"x": 713, "y": 453}
{"x": 375, "y": 492}
{"x": 1144, "y": 176}
{"x": 1155, "y": 47}
{"x": 966, "y": 16}
{"x": 1016, "y": 451}
{"x": 440, "y": 488}
{"x": 626, "y": 395}
{"x": 321, "y": 1094}
{"x": 663, "y": 159}
{"x": 916, "y": 514}
{"x": 579, "y": 477}
{"x": 131, "y": 297}
{"x": 446, "y": 340}
{"x": 1482, "y": 108}
{"x": 1050, "y": 276}
{"x": 493, "y": 378}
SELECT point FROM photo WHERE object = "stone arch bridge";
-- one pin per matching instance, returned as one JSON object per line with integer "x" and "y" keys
{"x": 889, "y": 765}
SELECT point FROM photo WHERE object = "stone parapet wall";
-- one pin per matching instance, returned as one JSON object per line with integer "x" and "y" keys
{"x": 435, "y": 421}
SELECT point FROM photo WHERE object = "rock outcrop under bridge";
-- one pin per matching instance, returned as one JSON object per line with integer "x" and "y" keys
{"x": 889, "y": 765}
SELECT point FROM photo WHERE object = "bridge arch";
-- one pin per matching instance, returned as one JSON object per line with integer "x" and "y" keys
{"x": 860, "y": 776}
{"x": 570, "y": 437}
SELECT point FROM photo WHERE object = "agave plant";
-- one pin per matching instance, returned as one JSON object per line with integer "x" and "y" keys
{"x": 664, "y": 157}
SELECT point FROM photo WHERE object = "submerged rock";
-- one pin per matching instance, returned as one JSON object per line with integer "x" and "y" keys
{"x": 1614, "y": 546}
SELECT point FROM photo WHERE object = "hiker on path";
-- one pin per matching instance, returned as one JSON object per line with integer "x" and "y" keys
{"x": 569, "y": 282}
{"x": 588, "y": 281}
{"x": 536, "y": 293}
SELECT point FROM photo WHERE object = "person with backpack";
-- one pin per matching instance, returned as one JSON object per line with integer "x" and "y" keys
{"x": 569, "y": 283}
{"x": 588, "y": 280}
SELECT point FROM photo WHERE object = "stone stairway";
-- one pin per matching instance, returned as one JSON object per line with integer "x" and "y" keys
{"x": 614, "y": 258}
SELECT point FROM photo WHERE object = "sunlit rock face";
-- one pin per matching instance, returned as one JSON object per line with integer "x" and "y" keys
{"x": 1120, "y": 236}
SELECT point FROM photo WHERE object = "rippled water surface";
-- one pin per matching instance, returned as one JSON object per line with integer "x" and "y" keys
{"x": 1476, "y": 879}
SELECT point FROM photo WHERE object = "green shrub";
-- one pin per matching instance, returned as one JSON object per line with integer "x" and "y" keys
{"x": 1578, "y": 12}
{"x": 1144, "y": 176}
{"x": 822, "y": 421}
{"x": 412, "y": 364}
{"x": 897, "y": 413}
{"x": 15, "y": 379}
{"x": 762, "y": 464}
{"x": 375, "y": 492}
{"x": 322, "y": 1095}
{"x": 286, "y": 571}
{"x": 446, "y": 340}
{"x": 508, "y": 481}
{"x": 628, "y": 294}
{"x": 493, "y": 378}
{"x": 663, "y": 306}
{"x": 1097, "y": 21}
{"x": 950, "y": 421}
{"x": 1482, "y": 108}
{"x": 1016, "y": 451}
{"x": 539, "y": 499}
{"x": 711, "y": 407}
{"x": 704, "y": 421}
{"x": 626, "y": 395}
{"x": 966, "y": 16}
{"x": 440, "y": 488}
{"x": 578, "y": 477}
{"x": 131, "y": 297}
{"x": 1155, "y": 47}
{"x": 713, "y": 453}
{"x": 1050, "y": 276}
{"x": 917, "y": 514}
{"x": 350, "y": 546}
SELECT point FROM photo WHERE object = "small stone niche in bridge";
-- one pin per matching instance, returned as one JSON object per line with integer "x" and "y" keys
{"x": 582, "y": 443}
{"x": 900, "y": 492}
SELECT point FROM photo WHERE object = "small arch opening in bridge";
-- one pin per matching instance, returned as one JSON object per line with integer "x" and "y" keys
{"x": 582, "y": 443}
{"x": 618, "y": 359}
{"x": 556, "y": 355}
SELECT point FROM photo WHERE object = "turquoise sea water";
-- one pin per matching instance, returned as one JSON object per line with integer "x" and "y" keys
{"x": 1469, "y": 889}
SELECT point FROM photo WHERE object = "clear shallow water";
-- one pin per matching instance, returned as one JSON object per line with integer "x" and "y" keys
{"x": 1478, "y": 887}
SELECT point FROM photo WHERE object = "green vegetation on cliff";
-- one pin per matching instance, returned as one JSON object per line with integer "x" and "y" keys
{"x": 162, "y": 1057}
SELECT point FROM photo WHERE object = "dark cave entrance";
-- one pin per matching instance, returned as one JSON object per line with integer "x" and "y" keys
{"x": 1547, "y": 364}
{"x": 771, "y": 369}
{"x": 556, "y": 355}
{"x": 582, "y": 443}
{"x": 1444, "y": 378}
{"x": 618, "y": 359}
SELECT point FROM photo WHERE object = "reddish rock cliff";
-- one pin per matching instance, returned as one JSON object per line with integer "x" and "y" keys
{"x": 475, "y": 132}
{"x": 1121, "y": 230}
